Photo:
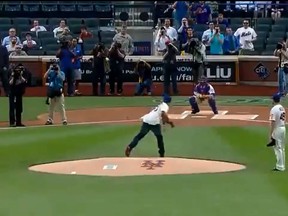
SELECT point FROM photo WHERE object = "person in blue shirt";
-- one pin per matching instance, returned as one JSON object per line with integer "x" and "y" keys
{"x": 231, "y": 43}
{"x": 76, "y": 49}
{"x": 181, "y": 9}
{"x": 66, "y": 58}
{"x": 55, "y": 94}
{"x": 220, "y": 20}
{"x": 202, "y": 12}
{"x": 216, "y": 42}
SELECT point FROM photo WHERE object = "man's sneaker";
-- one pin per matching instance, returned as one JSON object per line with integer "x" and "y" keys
{"x": 195, "y": 112}
{"x": 271, "y": 143}
{"x": 128, "y": 151}
{"x": 216, "y": 113}
{"x": 161, "y": 155}
{"x": 20, "y": 125}
{"x": 64, "y": 122}
{"x": 49, "y": 122}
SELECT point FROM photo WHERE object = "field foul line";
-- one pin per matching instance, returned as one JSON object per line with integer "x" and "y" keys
{"x": 184, "y": 114}
{"x": 71, "y": 124}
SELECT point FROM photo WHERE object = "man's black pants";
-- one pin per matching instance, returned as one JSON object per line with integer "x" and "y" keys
{"x": 156, "y": 129}
{"x": 170, "y": 72}
{"x": 116, "y": 74}
{"x": 15, "y": 109}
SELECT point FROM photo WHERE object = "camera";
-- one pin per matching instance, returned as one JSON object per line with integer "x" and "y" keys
{"x": 193, "y": 43}
{"x": 117, "y": 45}
{"x": 279, "y": 46}
{"x": 18, "y": 71}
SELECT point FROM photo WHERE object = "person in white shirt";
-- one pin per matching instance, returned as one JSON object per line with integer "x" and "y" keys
{"x": 278, "y": 131}
{"x": 246, "y": 35}
{"x": 152, "y": 122}
{"x": 207, "y": 35}
{"x": 160, "y": 42}
{"x": 37, "y": 28}
{"x": 170, "y": 31}
{"x": 59, "y": 30}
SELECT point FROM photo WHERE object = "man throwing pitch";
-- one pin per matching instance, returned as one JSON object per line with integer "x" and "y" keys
{"x": 203, "y": 91}
{"x": 152, "y": 122}
{"x": 278, "y": 132}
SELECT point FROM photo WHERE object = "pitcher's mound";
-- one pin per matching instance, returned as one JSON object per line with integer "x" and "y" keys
{"x": 136, "y": 166}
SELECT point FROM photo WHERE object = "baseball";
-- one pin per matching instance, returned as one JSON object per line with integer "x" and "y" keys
{"x": 73, "y": 172}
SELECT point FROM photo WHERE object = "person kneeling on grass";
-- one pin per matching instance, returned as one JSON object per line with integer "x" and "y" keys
{"x": 55, "y": 94}
{"x": 143, "y": 69}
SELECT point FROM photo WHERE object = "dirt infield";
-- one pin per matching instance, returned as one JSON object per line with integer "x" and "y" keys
{"x": 137, "y": 166}
{"x": 228, "y": 116}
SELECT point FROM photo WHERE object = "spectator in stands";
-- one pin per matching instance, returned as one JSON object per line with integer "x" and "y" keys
{"x": 12, "y": 34}
{"x": 60, "y": 29}
{"x": 182, "y": 32}
{"x": 216, "y": 42}
{"x": 37, "y": 28}
{"x": 207, "y": 35}
{"x": 214, "y": 7}
{"x": 143, "y": 69}
{"x": 162, "y": 10}
{"x": 125, "y": 40}
{"x": 18, "y": 51}
{"x": 180, "y": 11}
{"x": 76, "y": 49}
{"x": 247, "y": 36}
{"x": 65, "y": 34}
{"x": 85, "y": 33}
{"x": 220, "y": 20}
{"x": 170, "y": 31}
{"x": 231, "y": 43}
{"x": 4, "y": 65}
{"x": 160, "y": 42}
{"x": 12, "y": 44}
{"x": 202, "y": 13}
{"x": 190, "y": 35}
{"x": 100, "y": 69}
{"x": 276, "y": 12}
{"x": 29, "y": 43}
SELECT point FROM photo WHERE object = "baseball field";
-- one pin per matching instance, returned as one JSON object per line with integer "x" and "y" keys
{"x": 195, "y": 177}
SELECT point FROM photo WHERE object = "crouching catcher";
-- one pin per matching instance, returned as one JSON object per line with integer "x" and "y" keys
{"x": 203, "y": 91}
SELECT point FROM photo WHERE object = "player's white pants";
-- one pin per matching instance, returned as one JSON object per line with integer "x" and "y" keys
{"x": 57, "y": 102}
{"x": 279, "y": 135}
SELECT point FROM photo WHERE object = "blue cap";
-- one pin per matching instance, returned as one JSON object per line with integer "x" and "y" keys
{"x": 277, "y": 97}
{"x": 166, "y": 98}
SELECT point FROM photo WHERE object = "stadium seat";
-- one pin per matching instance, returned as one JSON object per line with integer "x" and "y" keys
{"x": 51, "y": 47}
{"x": 6, "y": 27}
{"x": 90, "y": 41}
{"x": 21, "y": 21}
{"x": 31, "y": 7}
{"x": 75, "y": 21}
{"x": 281, "y": 21}
{"x": 262, "y": 34}
{"x": 13, "y": 7}
{"x": 265, "y": 21}
{"x": 237, "y": 20}
{"x": 276, "y": 34}
{"x": 46, "y": 41}
{"x": 49, "y": 7}
{"x": 35, "y": 52}
{"x": 21, "y": 28}
{"x": 23, "y": 34}
{"x": 67, "y": 7}
{"x": 75, "y": 29}
{"x": 50, "y": 52}
{"x": 54, "y": 21}
{"x": 107, "y": 35}
{"x": 91, "y": 22}
{"x": 5, "y": 21}
{"x": 270, "y": 47}
{"x": 262, "y": 27}
{"x": 41, "y": 21}
{"x": 268, "y": 52}
{"x": 45, "y": 34}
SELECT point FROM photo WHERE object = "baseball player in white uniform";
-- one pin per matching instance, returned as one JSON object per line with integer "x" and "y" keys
{"x": 152, "y": 122}
{"x": 278, "y": 132}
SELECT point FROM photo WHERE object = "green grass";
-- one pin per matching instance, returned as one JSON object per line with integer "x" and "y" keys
{"x": 34, "y": 106}
{"x": 250, "y": 192}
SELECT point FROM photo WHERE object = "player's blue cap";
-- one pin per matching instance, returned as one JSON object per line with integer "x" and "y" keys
{"x": 277, "y": 97}
{"x": 166, "y": 98}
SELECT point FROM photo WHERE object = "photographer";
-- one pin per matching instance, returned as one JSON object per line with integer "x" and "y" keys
{"x": 56, "y": 79}
{"x": 17, "y": 84}
{"x": 116, "y": 57}
{"x": 169, "y": 68}
{"x": 99, "y": 69}
{"x": 66, "y": 57}
{"x": 282, "y": 69}
{"x": 143, "y": 69}
{"x": 197, "y": 49}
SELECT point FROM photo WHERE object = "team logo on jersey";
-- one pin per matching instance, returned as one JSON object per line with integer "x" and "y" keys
{"x": 261, "y": 71}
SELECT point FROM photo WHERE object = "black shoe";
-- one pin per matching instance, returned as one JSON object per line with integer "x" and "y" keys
{"x": 20, "y": 125}
{"x": 276, "y": 170}
{"x": 48, "y": 123}
{"x": 272, "y": 143}
{"x": 195, "y": 112}
{"x": 128, "y": 151}
{"x": 12, "y": 125}
{"x": 161, "y": 155}
{"x": 47, "y": 102}
{"x": 64, "y": 122}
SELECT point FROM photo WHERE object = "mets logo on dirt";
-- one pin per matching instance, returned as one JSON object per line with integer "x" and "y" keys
{"x": 261, "y": 71}
{"x": 150, "y": 165}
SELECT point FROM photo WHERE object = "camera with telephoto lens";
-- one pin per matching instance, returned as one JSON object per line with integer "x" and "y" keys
{"x": 54, "y": 67}
{"x": 18, "y": 71}
{"x": 279, "y": 46}
{"x": 193, "y": 43}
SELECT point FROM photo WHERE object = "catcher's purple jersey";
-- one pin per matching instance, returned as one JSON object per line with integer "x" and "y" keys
{"x": 204, "y": 89}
